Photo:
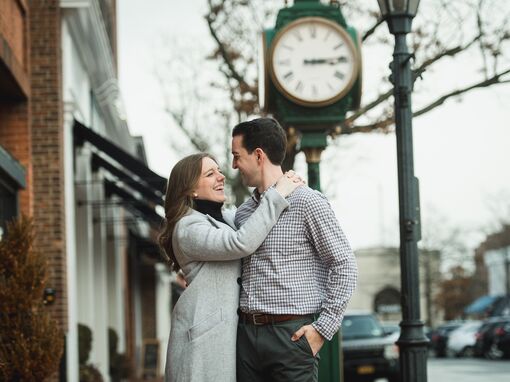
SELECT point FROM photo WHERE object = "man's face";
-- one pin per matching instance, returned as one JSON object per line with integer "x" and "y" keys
{"x": 245, "y": 162}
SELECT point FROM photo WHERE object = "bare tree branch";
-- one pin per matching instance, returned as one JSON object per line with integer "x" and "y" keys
{"x": 386, "y": 122}
{"x": 371, "y": 31}
{"x": 223, "y": 50}
{"x": 195, "y": 139}
{"x": 364, "y": 109}
{"x": 479, "y": 25}
{"x": 494, "y": 80}
{"x": 416, "y": 73}
{"x": 380, "y": 125}
{"x": 446, "y": 53}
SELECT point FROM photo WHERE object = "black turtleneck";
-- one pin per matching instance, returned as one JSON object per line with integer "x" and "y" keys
{"x": 210, "y": 208}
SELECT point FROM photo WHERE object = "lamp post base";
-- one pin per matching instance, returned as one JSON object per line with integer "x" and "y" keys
{"x": 413, "y": 347}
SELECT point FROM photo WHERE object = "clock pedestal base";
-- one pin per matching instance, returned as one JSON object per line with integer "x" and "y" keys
{"x": 331, "y": 362}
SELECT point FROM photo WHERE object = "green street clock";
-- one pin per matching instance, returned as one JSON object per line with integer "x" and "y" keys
{"x": 313, "y": 62}
{"x": 310, "y": 67}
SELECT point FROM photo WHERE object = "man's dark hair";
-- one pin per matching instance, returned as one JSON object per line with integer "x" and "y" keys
{"x": 266, "y": 134}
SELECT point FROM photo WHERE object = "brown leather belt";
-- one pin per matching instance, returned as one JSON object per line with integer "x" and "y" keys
{"x": 265, "y": 319}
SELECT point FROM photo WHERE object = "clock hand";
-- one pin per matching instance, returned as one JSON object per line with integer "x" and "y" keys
{"x": 314, "y": 61}
{"x": 337, "y": 60}
{"x": 330, "y": 61}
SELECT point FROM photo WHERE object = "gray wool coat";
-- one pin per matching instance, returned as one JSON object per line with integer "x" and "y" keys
{"x": 202, "y": 343}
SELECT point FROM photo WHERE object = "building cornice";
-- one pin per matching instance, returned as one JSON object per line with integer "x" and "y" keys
{"x": 88, "y": 30}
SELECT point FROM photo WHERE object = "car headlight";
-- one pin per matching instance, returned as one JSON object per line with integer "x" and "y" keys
{"x": 391, "y": 351}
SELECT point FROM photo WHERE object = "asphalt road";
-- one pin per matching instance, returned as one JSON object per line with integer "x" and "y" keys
{"x": 466, "y": 370}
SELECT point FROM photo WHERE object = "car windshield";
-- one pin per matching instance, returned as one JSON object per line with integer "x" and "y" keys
{"x": 361, "y": 327}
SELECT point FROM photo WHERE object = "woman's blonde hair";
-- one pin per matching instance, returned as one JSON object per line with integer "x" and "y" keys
{"x": 179, "y": 199}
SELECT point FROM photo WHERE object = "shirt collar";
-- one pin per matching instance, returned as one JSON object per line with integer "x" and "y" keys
{"x": 256, "y": 195}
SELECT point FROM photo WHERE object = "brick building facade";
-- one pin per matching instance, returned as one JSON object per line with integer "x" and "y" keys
{"x": 47, "y": 145}
{"x": 68, "y": 160}
{"x": 15, "y": 127}
{"x": 31, "y": 123}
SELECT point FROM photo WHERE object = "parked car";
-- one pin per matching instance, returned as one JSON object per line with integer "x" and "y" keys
{"x": 461, "y": 341}
{"x": 485, "y": 337}
{"x": 439, "y": 337}
{"x": 368, "y": 352}
{"x": 502, "y": 339}
{"x": 393, "y": 331}
{"x": 390, "y": 327}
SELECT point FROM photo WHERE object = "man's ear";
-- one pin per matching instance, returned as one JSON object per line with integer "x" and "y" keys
{"x": 260, "y": 155}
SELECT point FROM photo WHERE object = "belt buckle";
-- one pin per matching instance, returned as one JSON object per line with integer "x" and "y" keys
{"x": 254, "y": 318}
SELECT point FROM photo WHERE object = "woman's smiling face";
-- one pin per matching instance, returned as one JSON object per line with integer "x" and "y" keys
{"x": 211, "y": 184}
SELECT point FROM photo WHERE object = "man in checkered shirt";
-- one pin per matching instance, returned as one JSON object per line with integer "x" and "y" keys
{"x": 296, "y": 286}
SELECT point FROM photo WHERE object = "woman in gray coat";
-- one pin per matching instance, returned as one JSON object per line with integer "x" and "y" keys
{"x": 200, "y": 239}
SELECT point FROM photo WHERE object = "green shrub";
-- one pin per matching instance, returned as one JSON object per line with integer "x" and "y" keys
{"x": 31, "y": 342}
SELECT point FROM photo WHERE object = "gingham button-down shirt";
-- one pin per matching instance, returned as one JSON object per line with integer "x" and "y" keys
{"x": 305, "y": 265}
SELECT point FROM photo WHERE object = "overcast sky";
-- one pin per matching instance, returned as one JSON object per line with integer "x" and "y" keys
{"x": 461, "y": 150}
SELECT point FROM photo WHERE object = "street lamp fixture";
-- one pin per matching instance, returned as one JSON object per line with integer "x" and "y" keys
{"x": 412, "y": 342}
{"x": 398, "y": 7}
{"x": 398, "y": 14}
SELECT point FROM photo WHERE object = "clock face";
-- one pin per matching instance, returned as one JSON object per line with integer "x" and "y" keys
{"x": 313, "y": 61}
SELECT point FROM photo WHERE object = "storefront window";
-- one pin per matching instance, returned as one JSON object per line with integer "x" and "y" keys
{"x": 8, "y": 204}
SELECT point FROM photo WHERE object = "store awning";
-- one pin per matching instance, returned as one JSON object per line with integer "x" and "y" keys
{"x": 481, "y": 304}
{"x": 148, "y": 193}
{"x": 82, "y": 133}
{"x": 11, "y": 171}
{"x": 136, "y": 188}
{"x": 131, "y": 202}
{"x": 501, "y": 307}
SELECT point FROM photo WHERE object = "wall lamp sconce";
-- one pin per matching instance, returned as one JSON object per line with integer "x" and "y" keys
{"x": 49, "y": 296}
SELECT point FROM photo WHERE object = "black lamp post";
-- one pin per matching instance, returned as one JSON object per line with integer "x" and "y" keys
{"x": 399, "y": 15}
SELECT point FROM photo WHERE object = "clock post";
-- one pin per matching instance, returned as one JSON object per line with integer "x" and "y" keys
{"x": 312, "y": 144}
{"x": 310, "y": 77}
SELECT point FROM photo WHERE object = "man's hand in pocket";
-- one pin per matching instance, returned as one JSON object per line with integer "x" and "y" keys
{"x": 313, "y": 337}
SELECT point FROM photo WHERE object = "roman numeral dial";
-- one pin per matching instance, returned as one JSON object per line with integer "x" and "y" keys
{"x": 313, "y": 61}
